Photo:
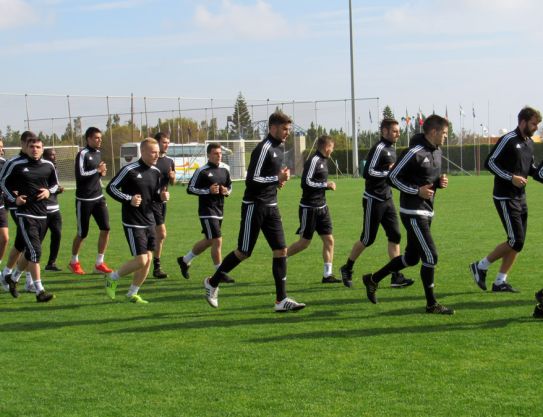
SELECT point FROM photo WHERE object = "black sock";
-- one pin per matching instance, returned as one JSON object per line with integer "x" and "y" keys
{"x": 394, "y": 265}
{"x": 228, "y": 263}
{"x": 349, "y": 264}
{"x": 427, "y": 276}
{"x": 279, "y": 269}
{"x": 156, "y": 263}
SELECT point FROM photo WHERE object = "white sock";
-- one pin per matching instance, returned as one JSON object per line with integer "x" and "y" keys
{"x": 114, "y": 275}
{"x": 327, "y": 269}
{"x": 217, "y": 266}
{"x": 500, "y": 278}
{"x": 38, "y": 286}
{"x": 7, "y": 271}
{"x": 100, "y": 259}
{"x": 484, "y": 264}
{"x": 133, "y": 290}
{"x": 28, "y": 277}
{"x": 16, "y": 274}
{"x": 189, "y": 257}
{"x": 75, "y": 258}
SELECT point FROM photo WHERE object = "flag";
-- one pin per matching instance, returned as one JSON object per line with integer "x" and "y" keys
{"x": 473, "y": 111}
{"x": 446, "y": 113}
{"x": 407, "y": 118}
{"x": 462, "y": 111}
{"x": 420, "y": 117}
{"x": 371, "y": 120}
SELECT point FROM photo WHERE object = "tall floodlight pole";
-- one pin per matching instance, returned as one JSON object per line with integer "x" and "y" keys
{"x": 353, "y": 113}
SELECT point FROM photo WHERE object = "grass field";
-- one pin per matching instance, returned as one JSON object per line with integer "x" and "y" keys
{"x": 83, "y": 355}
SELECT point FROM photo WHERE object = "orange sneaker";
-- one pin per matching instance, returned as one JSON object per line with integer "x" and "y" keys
{"x": 76, "y": 268}
{"x": 102, "y": 268}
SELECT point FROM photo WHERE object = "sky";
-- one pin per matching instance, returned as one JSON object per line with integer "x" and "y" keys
{"x": 483, "y": 55}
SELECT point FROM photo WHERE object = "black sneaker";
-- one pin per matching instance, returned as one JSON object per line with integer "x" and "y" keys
{"x": 398, "y": 280}
{"x": 346, "y": 276}
{"x": 439, "y": 309}
{"x": 504, "y": 287}
{"x": 160, "y": 274}
{"x": 331, "y": 279}
{"x": 479, "y": 275}
{"x": 12, "y": 286}
{"x": 371, "y": 288}
{"x": 538, "y": 311}
{"x": 539, "y": 296}
{"x": 184, "y": 267}
{"x": 44, "y": 296}
{"x": 52, "y": 267}
{"x": 227, "y": 279}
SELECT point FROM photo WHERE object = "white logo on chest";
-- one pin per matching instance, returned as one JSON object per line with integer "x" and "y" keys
{"x": 425, "y": 160}
{"x": 210, "y": 174}
{"x": 274, "y": 155}
{"x": 26, "y": 170}
{"x": 139, "y": 176}
{"x": 90, "y": 158}
{"x": 322, "y": 166}
{"x": 518, "y": 146}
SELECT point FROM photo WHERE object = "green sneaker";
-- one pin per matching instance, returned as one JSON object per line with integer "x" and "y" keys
{"x": 137, "y": 299}
{"x": 111, "y": 286}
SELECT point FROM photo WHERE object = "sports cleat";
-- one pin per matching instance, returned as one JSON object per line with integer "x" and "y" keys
{"x": 159, "y": 274}
{"x": 346, "y": 276}
{"x": 184, "y": 267}
{"x": 371, "y": 288}
{"x": 52, "y": 267}
{"x": 331, "y": 279}
{"x": 439, "y": 309}
{"x": 479, "y": 275}
{"x": 75, "y": 267}
{"x": 5, "y": 285}
{"x": 102, "y": 269}
{"x": 227, "y": 279}
{"x": 12, "y": 286}
{"x": 111, "y": 286}
{"x": 136, "y": 298}
{"x": 44, "y": 296}
{"x": 539, "y": 296}
{"x": 398, "y": 280}
{"x": 212, "y": 293}
{"x": 29, "y": 287}
{"x": 287, "y": 304}
{"x": 538, "y": 311}
{"x": 503, "y": 287}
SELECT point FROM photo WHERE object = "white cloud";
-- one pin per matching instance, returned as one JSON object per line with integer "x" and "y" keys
{"x": 251, "y": 22}
{"x": 15, "y": 13}
{"x": 113, "y": 5}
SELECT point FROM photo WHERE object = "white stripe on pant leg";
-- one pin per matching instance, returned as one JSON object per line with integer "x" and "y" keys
{"x": 79, "y": 228}
{"x": 304, "y": 221}
{"x": 508, "y": 225}
{"x": 247, "y": 231}
{"x": 33, "y": 256}
{"x": 367, "y": 222}
{"x": 132, "y": 242}
{"x": 208, "y": 227}
{"x": 422, "y": 242}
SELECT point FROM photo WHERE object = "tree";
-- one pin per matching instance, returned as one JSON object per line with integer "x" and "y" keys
{"x": 241, "y": 119}
{"x": 388, "y": 113}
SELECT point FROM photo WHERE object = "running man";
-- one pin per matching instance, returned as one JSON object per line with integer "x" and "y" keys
{"x": 378, "y": 204}
{"x": 259, "y": 211}
{"x": 511, "y": 161}
{"x": 313, "y": 211}
{"x": 90, "y": 201}
{"x": 417, "y": 175}
{"x": 166, "y": 166}
{"x": 137, "y": 186}
{"x": 211, "y": 183}
{"x": 54, "y": 217}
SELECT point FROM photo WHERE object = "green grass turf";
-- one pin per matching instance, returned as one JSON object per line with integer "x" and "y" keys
{"x": 83, "y": 355}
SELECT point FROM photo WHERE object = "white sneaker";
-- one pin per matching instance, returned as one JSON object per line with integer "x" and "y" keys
{"x": 29, "y": 287}
{"x": 288, "y": 304}
{"x": 212, "y": 293}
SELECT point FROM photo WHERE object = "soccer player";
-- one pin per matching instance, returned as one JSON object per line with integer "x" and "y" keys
{"x": 136, "y": 186}
{"x": 19, "y": 244}
{"x": 259, "y": 211}
{"x": 166, "y": 165}
{"x": 28, "y": 182}
{"x": 417, "y": 175}
{"x": 211, "y": 183}
{"x": 378, "y": 204}
{"x": 4, "y": 231}
{"x": 90, "y": 201}
{"x": 54, "y": 217}
{"x": 313, "y": 211}
{"x": 511, "y": 161}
